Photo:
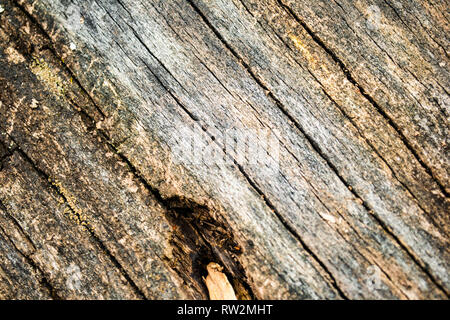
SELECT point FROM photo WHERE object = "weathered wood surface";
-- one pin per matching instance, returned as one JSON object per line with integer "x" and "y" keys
{"x": 95, "y": 95}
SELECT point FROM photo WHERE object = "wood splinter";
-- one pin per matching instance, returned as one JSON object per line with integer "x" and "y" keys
{"x": 217, "y": 283}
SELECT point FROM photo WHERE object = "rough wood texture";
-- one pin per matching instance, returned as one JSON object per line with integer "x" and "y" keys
{"x": 95, "y": 97}
{"x": 216, "y": 281}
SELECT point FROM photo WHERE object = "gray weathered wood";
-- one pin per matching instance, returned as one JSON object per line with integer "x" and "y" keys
{"x": 95, "y": 96}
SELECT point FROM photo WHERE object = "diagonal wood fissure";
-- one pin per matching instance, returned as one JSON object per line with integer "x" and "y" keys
{"x": 370, "y": 99}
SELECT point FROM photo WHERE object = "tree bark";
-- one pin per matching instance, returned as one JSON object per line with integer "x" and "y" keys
{"x": 102, "y": 198}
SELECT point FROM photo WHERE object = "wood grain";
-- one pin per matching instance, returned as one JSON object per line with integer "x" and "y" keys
{"x": 97, "y": 95}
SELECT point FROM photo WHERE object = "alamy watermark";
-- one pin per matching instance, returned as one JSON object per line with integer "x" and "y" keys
{"x": 255, "y": 148}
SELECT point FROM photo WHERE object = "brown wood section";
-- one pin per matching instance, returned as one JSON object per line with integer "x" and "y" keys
{"x": 118, "y": 177}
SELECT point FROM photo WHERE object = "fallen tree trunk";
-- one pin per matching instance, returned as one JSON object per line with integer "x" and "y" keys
{"x": 121, "y": 174}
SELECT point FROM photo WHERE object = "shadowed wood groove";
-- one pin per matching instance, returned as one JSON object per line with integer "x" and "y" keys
{"x": 120, "y": 129}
